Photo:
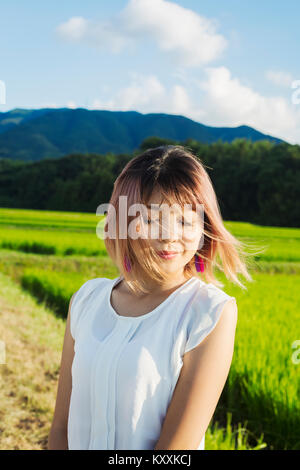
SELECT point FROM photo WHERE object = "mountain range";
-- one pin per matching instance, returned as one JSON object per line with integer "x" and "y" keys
{"x": 36, "y": 134}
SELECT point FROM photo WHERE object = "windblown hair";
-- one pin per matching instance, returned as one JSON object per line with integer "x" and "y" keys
{"x": 181, "y": 178}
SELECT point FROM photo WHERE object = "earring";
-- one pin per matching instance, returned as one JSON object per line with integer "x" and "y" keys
{"x": 127, "y": 263}
{"x": 199, "y": 263}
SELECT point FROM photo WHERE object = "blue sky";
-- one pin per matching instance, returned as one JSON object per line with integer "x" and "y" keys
{"x": 222, "y": 63}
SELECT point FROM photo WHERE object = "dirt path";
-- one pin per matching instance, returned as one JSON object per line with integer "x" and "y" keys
{"x": 33, "y": 339}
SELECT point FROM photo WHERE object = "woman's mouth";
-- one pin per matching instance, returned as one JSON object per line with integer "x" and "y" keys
{"x": 167, "y": 254}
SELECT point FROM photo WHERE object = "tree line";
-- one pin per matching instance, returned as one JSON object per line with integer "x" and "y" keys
{"x": 255, "y": 182}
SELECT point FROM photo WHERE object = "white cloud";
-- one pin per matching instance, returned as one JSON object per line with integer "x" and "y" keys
{"x": 71, "y": 104}
{"x": 143, "y": 93}
{"x": 47, "y": 104}
{"x": 102, "y": 35}
{"x": 180, "y": 102}
{"x": 74, "y": 29}
{"x": 228, "y": 102}
{"x": 146, "y": 94}
{"x": 279, "y": 78}
{"x": 190, "y": 39}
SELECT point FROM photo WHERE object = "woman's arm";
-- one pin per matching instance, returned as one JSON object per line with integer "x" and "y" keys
{"x": 199, "y": 387}
{"x": 58, "y": 437}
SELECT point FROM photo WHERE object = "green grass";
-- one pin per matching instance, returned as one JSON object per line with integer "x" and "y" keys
{"x": 264, "y": 381}
{"x": 47, "y": 219}
{"x": 50, "y": 242}
{"x": 231, "y": 437}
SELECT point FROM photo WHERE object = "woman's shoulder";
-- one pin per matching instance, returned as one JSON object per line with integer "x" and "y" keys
{"x": 209, "y": 293}
{"x": 204, "y": 312}
{"x": 81, "y": 299}
{"x": 87, "y": 287}
{"x": 92, "y": 283}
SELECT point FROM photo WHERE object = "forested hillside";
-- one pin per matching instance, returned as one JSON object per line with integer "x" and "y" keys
{"x": 255, "y": 182}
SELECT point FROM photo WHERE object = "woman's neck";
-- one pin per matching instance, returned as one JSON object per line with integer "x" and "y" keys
{"x": 161, "y": 288}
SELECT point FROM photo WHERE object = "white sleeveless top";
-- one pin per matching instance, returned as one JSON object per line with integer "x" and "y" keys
{"x": 125, "y": 368}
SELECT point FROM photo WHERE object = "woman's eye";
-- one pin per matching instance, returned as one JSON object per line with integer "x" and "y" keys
{"x": 148, "y": 221}
{"x": 185, "y": 222}
{"x": 181, "y": 221}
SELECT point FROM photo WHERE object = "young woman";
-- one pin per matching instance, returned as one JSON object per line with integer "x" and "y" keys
{"x": 147, "y": 354}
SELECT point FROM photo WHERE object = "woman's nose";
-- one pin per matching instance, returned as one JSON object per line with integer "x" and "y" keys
{"x": 168, "y": 230}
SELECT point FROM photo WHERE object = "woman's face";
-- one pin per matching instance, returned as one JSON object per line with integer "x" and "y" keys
{"x": 175, "y": 229}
